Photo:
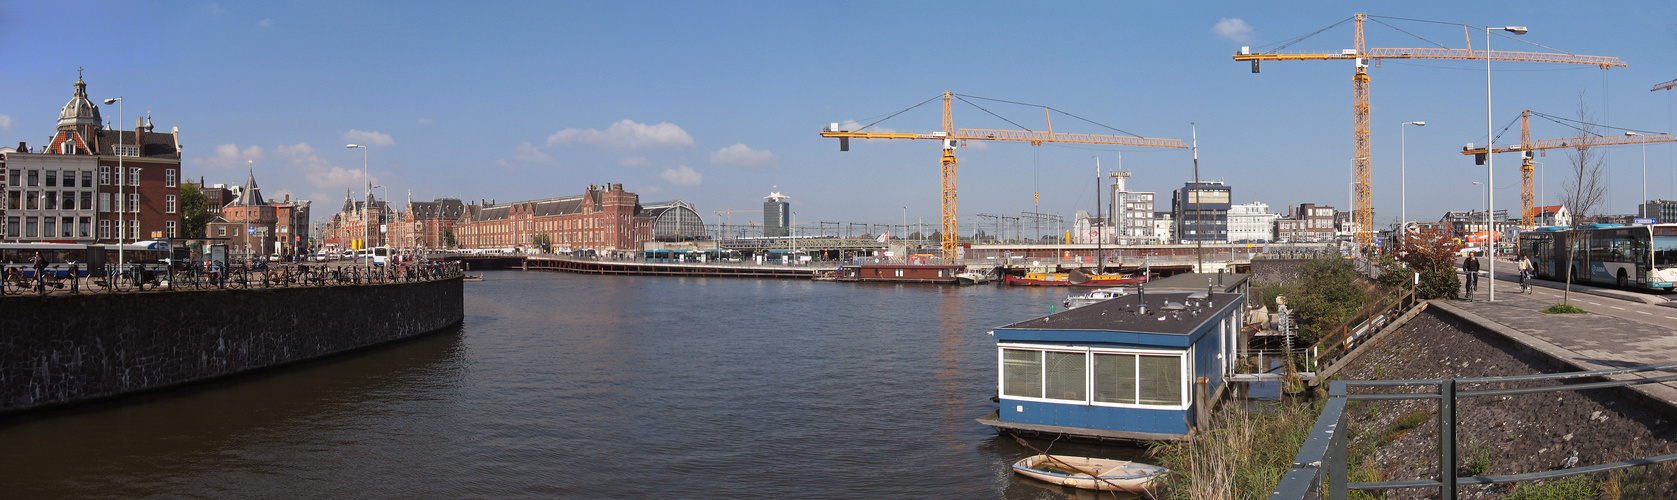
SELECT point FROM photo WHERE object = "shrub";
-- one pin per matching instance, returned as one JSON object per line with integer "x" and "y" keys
{"x": 1564, "y": 309}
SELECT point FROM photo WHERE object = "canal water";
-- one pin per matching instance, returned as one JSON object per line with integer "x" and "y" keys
{"x": 578, "y": 386}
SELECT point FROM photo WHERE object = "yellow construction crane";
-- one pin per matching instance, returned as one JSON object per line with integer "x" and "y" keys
{"x": 952, "y": 138}
{"x": 1664, "y": 86}
{"x": 1527, "y": 207}
{"x": 1363, "y": 210}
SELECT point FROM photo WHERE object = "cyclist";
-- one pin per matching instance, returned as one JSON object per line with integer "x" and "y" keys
{"x": 1524, "y": 264}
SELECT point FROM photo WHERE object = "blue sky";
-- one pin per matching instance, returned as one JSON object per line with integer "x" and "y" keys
{"x": 720, "y": 103}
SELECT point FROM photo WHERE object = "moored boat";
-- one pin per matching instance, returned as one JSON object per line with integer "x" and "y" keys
{"x": 1075, "y": 278}
{"x": 1090, "y": 473}
{"x": 1083, "y": 299}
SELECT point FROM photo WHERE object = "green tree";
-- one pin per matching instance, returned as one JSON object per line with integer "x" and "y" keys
{"x": 448, "y": 237}
{"x": 543, "y": 242}
{"x": 195, "y": 213}
{"x": 1332, "y": 291}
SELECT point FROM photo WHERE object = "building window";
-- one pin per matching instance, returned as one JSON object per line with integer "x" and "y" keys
{"x": 14, "y": 200}
{"x": 67, "y": 227}
{"x": 29, "y": 227}
{"x": 87, "y": 178}
{"x": 52, "y": 178}
{"x": 170, "y": 227}
{"x": 69, "y": 200}
{"x": 12, "y": 226}
{"x": 104, "y": 175}
{"x": 169, "y": 177}
{"x": 127, "y": 150}
{"x": 134, "y": 229}
{"x": 169, "y": 203}
{"x": 14, "y": 177}
{"x": 133, "y": 176}
{"x": 104, "y": 229}
{"x": 104, "y": 202}
{"x": 134, "y": 202}
{"x": 34, "y": 178}
{"x": 221, "y": 231}
{"x": 32, "y": 200}
{"x": 87, "y": 200}
{"x": 85, "y": 222}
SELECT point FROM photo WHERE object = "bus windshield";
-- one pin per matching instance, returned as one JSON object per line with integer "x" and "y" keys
{"x": 1665, "y": 251}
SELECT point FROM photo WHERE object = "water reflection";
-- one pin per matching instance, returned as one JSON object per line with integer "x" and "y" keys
{"x": 564, "y": 385}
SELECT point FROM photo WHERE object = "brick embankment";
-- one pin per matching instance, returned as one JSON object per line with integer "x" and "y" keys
{"x": 1519, "y": 433}
{"x": 59, "y": 349}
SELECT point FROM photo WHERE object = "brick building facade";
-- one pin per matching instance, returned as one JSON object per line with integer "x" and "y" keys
{"x": 605, "y": 217}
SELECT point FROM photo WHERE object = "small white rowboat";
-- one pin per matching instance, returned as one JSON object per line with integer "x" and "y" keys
{"x": 1115, "y": 475}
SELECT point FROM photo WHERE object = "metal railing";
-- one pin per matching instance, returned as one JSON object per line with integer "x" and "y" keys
{"x": 1322, "y": 464}
{"x": 1357, "y": 329}
{"x": 136, "y": 278}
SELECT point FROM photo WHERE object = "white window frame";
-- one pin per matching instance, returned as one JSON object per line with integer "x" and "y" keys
{"x": 169, "y": 203}
{"x": 1184, "y": 367}
{"x": 169, "y": 178}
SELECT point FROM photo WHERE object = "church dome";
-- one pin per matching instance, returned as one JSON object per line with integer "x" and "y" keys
{"x": 79, "y": 111}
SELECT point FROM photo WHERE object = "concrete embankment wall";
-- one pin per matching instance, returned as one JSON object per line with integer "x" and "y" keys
{"x": 71, "y": 348}
{"x": 1276, "y": 271}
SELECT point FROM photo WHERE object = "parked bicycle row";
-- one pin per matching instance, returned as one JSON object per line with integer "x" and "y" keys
{"x": 135, "y": 277}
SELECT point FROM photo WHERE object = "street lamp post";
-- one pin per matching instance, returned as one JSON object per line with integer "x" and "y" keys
{"x": 1641, "y": 205}
{"x": 365, "y": 206}
{"x": 1403, "y": 174}
{"x": 120, "y": 173}
{"x": 1490, "y": 158}
{"x": 383, "y": 227}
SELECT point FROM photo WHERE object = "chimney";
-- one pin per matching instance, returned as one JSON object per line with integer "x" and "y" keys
{"x": 22, "y": 147}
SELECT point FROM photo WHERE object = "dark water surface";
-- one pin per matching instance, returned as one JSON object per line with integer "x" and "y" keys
{"x": 561, "y": 385}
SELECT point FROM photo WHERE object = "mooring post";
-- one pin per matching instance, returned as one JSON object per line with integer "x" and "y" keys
{"x": 1202, "y": 394}
{"x": 1447, "y": 438}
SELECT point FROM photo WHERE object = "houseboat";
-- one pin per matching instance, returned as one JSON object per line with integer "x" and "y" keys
{"x": 900, "y": 273}
{"x": 1146, "y": 366}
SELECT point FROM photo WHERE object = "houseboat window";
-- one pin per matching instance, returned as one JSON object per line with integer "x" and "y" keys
{"x": 1066, "y": 375}
{"x": 1161, "y": 380}
{"x": 1114, "y": 378}
{"x": 1022, "y": 373}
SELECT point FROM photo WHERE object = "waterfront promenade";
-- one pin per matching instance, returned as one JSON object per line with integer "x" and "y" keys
{"x": 1622, "y": 329}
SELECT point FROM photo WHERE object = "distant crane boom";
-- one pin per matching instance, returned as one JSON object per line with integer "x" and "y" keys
{"x": 1363, "y": 211}
{"x": 953, "y": 138}
{"x": 1527, "y": 205}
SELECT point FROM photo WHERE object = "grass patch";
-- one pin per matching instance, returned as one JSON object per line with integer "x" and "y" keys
{"x": 1564, "y": 309}
{"x": 1242, "y": 456}
{"x": 1566, "y": 488}
{"x": 1478, "y": 459}
{"x": 1402, "y": 426}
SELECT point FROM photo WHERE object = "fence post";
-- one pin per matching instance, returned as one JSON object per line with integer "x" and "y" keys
{"x": 1447, "y": 439}
{"x": 1339, "y": 477}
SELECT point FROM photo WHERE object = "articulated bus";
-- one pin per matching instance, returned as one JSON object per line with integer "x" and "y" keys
{"x": 1610, "y": 254}
{"x": 152, "y": 254}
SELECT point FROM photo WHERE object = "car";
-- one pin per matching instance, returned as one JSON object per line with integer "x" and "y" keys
{"x": 274, "y": 258}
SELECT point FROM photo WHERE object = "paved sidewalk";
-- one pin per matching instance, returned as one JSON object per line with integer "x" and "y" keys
{"x": 1591, "y": 341}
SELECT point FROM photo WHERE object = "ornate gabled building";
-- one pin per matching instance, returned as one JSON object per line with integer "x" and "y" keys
{"x": 358, "y": 224}
{"x": 604, "y": 218}
{"x": 424, "y": 223}
{"x": 248, "y": 222}
{"x": 51, "y": 193}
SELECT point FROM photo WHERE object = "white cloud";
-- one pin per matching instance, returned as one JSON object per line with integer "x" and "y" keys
{"x": 634, "y": 161}
{"x": 1233, "y": 29}
{"x": 854, "y": 126}
{"x": 369, "y": 138}
{"x": 228, "y": 156}
{"x": 215, "y": 9}
{"x": 265, "y": 23}
{"x": 527, "y": 153}
{"x": 424, "y": 121}
{"x": 742, "y": 155}
{"x": 682, "y": 176}
{"x": 626, "y": 134}
{"x": 301, "y": 157}
{"x": 5, "y": 121}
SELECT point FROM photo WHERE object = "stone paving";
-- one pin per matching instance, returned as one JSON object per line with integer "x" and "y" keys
{"x": 1602, "y": 339}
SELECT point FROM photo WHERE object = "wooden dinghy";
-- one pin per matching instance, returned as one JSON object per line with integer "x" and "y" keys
{"x": 1114, "y": 475}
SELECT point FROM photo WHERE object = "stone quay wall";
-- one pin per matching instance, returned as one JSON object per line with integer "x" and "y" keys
{"x": 1276, "y": 271}
{"x": 62, "y": 348}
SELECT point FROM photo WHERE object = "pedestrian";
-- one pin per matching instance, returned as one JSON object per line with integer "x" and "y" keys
{"x": 1471, "y": 267}
{"x": 40, "y": 266}
{"x": 75, "y": 274}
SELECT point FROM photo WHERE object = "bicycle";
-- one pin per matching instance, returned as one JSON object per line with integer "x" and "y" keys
{"x": 1471, "y": 284}
{"x": 1525, "y": 282}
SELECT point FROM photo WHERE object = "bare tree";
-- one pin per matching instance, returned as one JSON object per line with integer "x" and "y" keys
{"x": 1584, "y": 189}
{"x": 1585, "y": 192}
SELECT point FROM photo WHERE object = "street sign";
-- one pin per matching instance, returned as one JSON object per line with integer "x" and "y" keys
{"x": 1644, "y": 221}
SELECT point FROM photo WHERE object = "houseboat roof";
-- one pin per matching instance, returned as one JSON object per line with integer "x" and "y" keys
{"x": 1167, "y": 313}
